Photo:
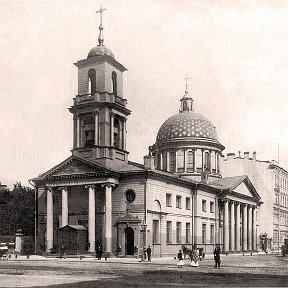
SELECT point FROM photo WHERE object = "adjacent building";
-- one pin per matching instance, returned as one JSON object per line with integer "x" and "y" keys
{"x": 271, "y": 182}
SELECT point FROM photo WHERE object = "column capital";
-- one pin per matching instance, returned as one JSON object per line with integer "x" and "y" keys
{"x": 236, "y": 203}
{"x": 90, "y": 186}
{"x": 63, "y": 188}
{"x": 49, "y": 188}
{"x": 107, "y": 185}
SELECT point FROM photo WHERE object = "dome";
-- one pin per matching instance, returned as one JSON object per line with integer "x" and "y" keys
{"x": 187, "y": 124}
{"x": 100, "y": 50}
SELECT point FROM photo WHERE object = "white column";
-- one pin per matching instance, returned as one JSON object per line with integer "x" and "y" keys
{"x": 78, "y": 130}
{"x": 49, "y": 219}
{"x": 112, "y": 129}
{"x": 237, "y": 227}
{"x": 232, "y": 227}
{"x": 176, "y": 161}
{"x": 226, "y": 227}
{"x": 96, "y": 128}
{"x": 249, "y": 234}
{"x": 168, "y": 160}
{"x": 91, "y": 218}
{"x": 64, "y": 206}
{"x": 161, "y": 160}
{"x": 108, "y": 218}
{"x": 244, "y": 228}
{"x": 254, "y": 243}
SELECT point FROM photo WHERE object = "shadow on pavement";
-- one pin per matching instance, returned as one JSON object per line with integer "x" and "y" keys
{"x": 182, "y": 278}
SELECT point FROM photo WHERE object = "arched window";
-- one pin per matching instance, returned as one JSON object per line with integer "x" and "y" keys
{"x": 172, "y": 162}
{"x": 207, "y": 161}
{"x": 89, "y": 131}
{"x": 180, "y": 161}
{"x": 190, "y": 161}
{"x": 158, "y": 161}
{"x": 116, "y": 133}
{"x": 92, "y": 81}
{"x": 164, "y": 160}
{"x": 114, "y": 83}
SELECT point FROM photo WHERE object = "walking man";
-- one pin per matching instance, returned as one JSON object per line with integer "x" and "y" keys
{"x": 217, "y": 256}
{"x": 149, "y": 252}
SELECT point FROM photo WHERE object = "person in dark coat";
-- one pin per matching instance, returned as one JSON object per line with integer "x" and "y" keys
{"x": 62, "y": 252}
{"x": 99, "y": 252}
{"x": 217, "y": 256}
{"x": 149, "y": 253}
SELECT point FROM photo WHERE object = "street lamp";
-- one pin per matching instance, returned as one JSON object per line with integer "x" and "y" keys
{"x": 143, "y": 230}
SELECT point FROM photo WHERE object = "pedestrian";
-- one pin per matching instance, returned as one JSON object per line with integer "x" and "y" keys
{"x": 180, "y": 262}
{"x": 99, "y": 252}
{"x": 194, "y": 256}
{"x": 149, "y": 253}
{"x": 62, "y": 252}
{"x": 217, "y": 256}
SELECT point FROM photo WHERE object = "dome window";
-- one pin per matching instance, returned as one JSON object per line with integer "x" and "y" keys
{"x": 190, "y": 161}
{"x": 207, "y": 161}
{"x": 172, "y": 162}
{"x": 164, "y": 161}
{"x": 180, "y": 161}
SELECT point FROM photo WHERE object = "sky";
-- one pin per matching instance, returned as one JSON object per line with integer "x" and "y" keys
{"x": 234, "y": 52}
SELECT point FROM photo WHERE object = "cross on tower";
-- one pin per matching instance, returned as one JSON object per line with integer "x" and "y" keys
{"x": 100, "y": 37}
{"x": 101, "y": 10}
{"x": 186, "y": 84}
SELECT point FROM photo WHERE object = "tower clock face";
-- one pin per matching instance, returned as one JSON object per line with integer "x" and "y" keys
{"x": 130, "y": 196}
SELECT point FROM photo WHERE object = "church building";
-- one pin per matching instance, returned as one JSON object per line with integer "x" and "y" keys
{"x": 97, "y": 197}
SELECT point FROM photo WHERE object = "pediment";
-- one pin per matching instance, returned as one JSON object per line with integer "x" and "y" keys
{"x": 243, "y": 189}
{"x": 75, "y": 166}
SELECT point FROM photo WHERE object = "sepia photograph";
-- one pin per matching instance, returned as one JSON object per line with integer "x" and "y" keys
{"x": 144, "y": 143}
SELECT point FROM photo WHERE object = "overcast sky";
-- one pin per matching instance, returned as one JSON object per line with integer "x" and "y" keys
{"x": 235, "y": 52}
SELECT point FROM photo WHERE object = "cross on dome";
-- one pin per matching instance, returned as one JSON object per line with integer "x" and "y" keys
{"x": 186, "y": 83}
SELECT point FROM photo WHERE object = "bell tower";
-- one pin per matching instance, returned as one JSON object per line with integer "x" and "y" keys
{"x": 99, "y": 110}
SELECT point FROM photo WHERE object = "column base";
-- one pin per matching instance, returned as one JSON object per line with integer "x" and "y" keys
{"x": 91, "y": 248}
{"x": 49, "y": 244}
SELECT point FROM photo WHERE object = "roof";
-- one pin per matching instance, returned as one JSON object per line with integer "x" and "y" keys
{"x": 228, "y": 183}
{"x": 76, "y": 227}
{"x": 188, "y": 124}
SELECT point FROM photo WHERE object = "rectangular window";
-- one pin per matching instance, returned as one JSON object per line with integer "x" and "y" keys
{"x": 188, "y": 203}
{"x": 178, "y": 232}
{"x": 180, "y": 161}
{"x": 164, "y": 157}
{"x": 212, "y": 233}
{"x": 204, "y": 205}
{"x": 155, "y": 231}
{"x": 178, "y": 201}
{"x": 188, "y": 232}
{"x": 169, "y": 232}
{"x": 203, "y": 233}
{"x": 212, "y": 210}
{"x": 168, "y": 200}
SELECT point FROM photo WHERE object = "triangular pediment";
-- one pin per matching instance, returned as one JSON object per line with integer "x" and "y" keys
{"x": 75, "y": 166}
{"x": 243, "y": 189}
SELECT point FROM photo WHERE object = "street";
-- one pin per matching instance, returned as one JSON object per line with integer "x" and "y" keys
{"x": 237, "y": 271}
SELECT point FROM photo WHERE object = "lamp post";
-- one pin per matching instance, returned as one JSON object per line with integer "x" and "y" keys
{"x": 143, "y": 230}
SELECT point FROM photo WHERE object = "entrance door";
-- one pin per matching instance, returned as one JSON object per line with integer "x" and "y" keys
{"x": 129, "y": 241}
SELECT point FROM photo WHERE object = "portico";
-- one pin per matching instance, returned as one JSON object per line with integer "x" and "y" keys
{"x": 239, "y": 226}
{"x": 61, "y": 189}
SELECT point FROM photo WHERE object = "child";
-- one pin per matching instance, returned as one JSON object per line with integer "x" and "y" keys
{"x": 180, "y": 262}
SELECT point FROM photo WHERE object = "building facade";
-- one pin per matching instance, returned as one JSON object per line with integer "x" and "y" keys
{"x": 271, "y": 182}
{"x": 124, "y": 206}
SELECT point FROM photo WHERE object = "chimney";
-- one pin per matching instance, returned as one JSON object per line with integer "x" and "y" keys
{"x": 230, "y": 155}
{"x": 246, "y": 155}
{"x": 149, "y": 162}
{"x": 254, "y": 155}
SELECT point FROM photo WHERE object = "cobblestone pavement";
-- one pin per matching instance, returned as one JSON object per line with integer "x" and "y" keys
{"x": 237, "y": 271}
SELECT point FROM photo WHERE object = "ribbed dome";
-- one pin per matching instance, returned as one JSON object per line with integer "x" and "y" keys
{"x": 100, "y": 50}
{"x": 187, "y": 124}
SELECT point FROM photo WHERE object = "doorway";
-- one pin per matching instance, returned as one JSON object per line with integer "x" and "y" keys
{"x": 129, "y": 241}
